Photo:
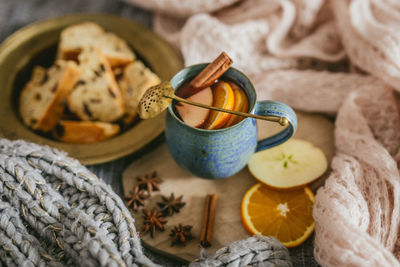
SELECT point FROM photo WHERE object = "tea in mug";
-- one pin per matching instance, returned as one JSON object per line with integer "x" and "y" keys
{"x": 222, "y": 94}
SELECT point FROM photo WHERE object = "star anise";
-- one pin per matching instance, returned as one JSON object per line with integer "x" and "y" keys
{"x": 153, "y": 220}
{"x": 180, "y": 234}
{"x": 171, "y": 205}
{"x": 136, "y": 198}
{"x": 149, "y": 182}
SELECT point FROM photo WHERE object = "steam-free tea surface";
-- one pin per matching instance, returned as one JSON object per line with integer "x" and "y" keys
{"x": 228, "y": 226}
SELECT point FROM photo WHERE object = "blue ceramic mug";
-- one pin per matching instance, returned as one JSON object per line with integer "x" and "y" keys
{"x": 223, "y": 152}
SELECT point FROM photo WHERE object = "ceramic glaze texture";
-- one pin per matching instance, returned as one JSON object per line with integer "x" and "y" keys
{"x": 211, "y": 153}
{"x": 221, "y": 153}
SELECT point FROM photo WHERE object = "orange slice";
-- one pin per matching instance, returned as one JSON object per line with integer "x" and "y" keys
{"x": 284, "y": 215}
{"x": 223, "y": 97}
{"x": 241, "y": 104}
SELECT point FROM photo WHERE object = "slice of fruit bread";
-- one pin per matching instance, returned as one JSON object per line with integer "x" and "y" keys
{"x": 42, "y": 100}
{"x": 136, "y": 79}
{"x": 76, "y": 38}
{"x": 84, "y": 132}
{"x": 96, "y": 96}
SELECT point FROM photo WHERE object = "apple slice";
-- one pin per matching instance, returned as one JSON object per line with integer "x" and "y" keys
{"x": 241, "y": 104}
{"x": 223, "y": 97}
{"x": 291, "y": 165}
{"x": 192, "y": 115}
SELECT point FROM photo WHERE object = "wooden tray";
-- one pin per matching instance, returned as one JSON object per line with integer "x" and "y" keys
{"x": 228, "y": 226}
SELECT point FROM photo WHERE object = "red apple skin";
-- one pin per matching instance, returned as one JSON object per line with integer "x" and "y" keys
{"x": 192, "y": 115}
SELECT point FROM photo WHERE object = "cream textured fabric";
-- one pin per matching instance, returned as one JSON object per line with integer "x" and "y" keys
{"x": 357, "y": 211}
{"x": 182, "y": 8}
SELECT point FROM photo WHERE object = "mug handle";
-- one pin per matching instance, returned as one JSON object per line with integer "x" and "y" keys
{"x": 275, "y": 108}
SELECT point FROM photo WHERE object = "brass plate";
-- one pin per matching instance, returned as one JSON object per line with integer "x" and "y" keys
{"x": 36, "y": 44}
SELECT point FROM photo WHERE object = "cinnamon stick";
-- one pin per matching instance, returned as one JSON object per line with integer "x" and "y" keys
{"x": 208, "y": 221}
{"x": 207, "y": 76}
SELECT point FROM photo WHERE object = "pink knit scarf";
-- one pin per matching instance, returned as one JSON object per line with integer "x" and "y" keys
{"x": 290, "y": 50}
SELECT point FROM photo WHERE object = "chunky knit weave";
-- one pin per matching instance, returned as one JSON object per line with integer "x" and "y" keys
{"x": 53, "y": 211}
{"x": 256, "y": 251}
{"x": 357, "y": 212}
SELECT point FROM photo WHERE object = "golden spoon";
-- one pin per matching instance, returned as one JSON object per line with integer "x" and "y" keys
{"x": 157, "y": 98}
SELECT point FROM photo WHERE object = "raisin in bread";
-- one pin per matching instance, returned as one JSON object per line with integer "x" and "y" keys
{"x": 136, "y": 79}
{"x": 78, "y": 37}
{"x": 96, "y": 96}
{"x": 84, "y": 132}
{"x": 42, "y": 100}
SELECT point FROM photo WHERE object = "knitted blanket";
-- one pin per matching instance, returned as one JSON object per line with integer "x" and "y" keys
{"x": 54, "y": 212}
{"x": 337, "y": 57}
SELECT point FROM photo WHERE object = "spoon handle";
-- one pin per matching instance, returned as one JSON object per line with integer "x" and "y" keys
{"x": 281, "y": 120}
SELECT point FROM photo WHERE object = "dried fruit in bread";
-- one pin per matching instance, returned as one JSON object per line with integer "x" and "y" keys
{"x": 42, "y": 101}
{"x": 96, "y": 96}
